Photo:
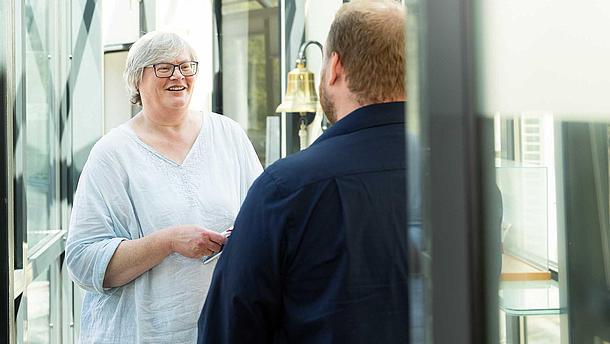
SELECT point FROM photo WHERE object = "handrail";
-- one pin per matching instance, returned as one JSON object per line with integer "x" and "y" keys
{"x": 46, "y": 254}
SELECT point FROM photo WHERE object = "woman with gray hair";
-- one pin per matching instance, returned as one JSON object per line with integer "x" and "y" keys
{"x": 155, "y": 198}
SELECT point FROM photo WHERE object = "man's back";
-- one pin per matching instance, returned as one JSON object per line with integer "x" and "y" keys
{"x": 333, "y": 268}
{"x": 347, "y": 271}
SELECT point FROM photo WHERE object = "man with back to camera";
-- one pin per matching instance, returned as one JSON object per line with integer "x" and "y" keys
{"x": 319, "y": 249}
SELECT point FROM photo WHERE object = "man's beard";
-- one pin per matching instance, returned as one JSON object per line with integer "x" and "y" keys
{"x": 328, "y": 106}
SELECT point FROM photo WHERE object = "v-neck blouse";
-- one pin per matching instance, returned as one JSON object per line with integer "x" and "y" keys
{"x": 131, "y": 132}
{"x": 128, "y": 190}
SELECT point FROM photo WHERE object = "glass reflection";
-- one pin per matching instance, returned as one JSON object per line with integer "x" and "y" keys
{"x": 524, "y": 161}
{"x": 250, "y": 64}
{"x": 554, "y": 177}
{"x": 39, "y": 310}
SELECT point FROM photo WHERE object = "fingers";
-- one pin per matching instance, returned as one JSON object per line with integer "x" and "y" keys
{"x": 196, "y": 242}
{"x": 216, "y": 238}
{"x": 212, "y": 246}
{"x": 199, "y": 252}
{"x": 207, "y": 245}
{"x": 202, "y": 250}
{"x": 206, "y": 252}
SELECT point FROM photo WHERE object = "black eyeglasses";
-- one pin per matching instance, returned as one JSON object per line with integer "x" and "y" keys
{"x": 166, "y": 70}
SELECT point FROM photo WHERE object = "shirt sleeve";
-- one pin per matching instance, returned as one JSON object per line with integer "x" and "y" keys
{"x": 95, "y": 232}
{"x": 238, "y": 312}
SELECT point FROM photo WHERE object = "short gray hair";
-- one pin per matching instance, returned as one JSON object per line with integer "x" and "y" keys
{"x": 153, "y": 47}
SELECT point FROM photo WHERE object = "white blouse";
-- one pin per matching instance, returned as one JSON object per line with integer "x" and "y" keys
{"x": 128, "y": 190}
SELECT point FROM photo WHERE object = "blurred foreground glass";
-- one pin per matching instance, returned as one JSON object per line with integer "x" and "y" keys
{"x": 542, "y": 75}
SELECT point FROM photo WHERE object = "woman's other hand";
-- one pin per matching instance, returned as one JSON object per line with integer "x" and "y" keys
{"x": 194, "y": 242}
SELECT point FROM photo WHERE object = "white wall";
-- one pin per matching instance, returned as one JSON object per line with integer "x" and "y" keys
{"x": 120, "y": 21}
{"x": 117, "y": 107}
{"x": 540, "y": 56}
{"x": 192, "y": 19}
{"x": 120, "y": 25}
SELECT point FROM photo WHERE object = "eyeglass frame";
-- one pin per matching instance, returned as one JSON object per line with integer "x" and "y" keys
{"x": 154, "y": 67}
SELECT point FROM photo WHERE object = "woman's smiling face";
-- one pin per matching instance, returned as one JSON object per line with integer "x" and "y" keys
{"x": 167, "y": 93}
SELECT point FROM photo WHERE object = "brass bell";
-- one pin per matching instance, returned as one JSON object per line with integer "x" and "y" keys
{"x": 301, "y": 93}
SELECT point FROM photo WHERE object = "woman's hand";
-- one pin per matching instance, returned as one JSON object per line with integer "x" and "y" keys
{"x": 134, "y": 257}
{"x": 194, "y": 242}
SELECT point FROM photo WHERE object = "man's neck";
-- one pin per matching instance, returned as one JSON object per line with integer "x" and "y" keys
{"x": 343, "y": 110}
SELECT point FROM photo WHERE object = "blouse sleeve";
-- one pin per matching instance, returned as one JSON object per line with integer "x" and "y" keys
{"x": 95, "y": 232}
{"x": 250, "y": 165}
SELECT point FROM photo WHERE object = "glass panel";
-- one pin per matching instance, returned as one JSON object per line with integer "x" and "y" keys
{"x": 542, "y": 329}
{"x": 251, "y": 66}
{"x": 527, "y": 142}
{"x": 39, "y": 309}
{"x": 525, "y": 176}
{"x": 39, "y": 315}
{"x": 247, "y": 5}
{"x": 561, "y": 124}
{"x": 568, "y": 218}
{"x": 524, "y": 221}
{"x": 41, "y": 143}
{"x": 521, "y": 298}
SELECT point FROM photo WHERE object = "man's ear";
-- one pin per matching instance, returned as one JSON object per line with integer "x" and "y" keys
{"x": 335, "y": 70}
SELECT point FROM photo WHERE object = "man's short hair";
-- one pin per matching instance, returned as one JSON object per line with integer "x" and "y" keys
{"x": 369, "y": 37}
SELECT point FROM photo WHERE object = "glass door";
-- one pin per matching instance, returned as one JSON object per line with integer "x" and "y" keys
{"x": 39, "y": 236}
{"x": 56, "y": 93}
{"x": 247, "y": 70}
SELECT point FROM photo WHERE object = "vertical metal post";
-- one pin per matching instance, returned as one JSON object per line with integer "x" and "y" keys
{"x": 217, "y": 91}
{"x": 7, "y": 101}
{"x": 292, "y": 23}
{"x": 458, "y": 191}
{"x": 147, "y": 16}
{"x": 283, "y": 72}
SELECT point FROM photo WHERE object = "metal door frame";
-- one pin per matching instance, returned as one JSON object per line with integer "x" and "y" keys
{"x": 7, "y": 98}
{"x": 458, "y": 299}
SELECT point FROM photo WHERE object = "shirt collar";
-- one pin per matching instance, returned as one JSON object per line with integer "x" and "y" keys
{"x": 366, "y": 117}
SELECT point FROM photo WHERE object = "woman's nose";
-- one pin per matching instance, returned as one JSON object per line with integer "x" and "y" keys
{"x": 177, "y": 74}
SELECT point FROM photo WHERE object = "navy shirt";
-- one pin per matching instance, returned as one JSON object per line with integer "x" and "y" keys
{"x": 319, "y": 249}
